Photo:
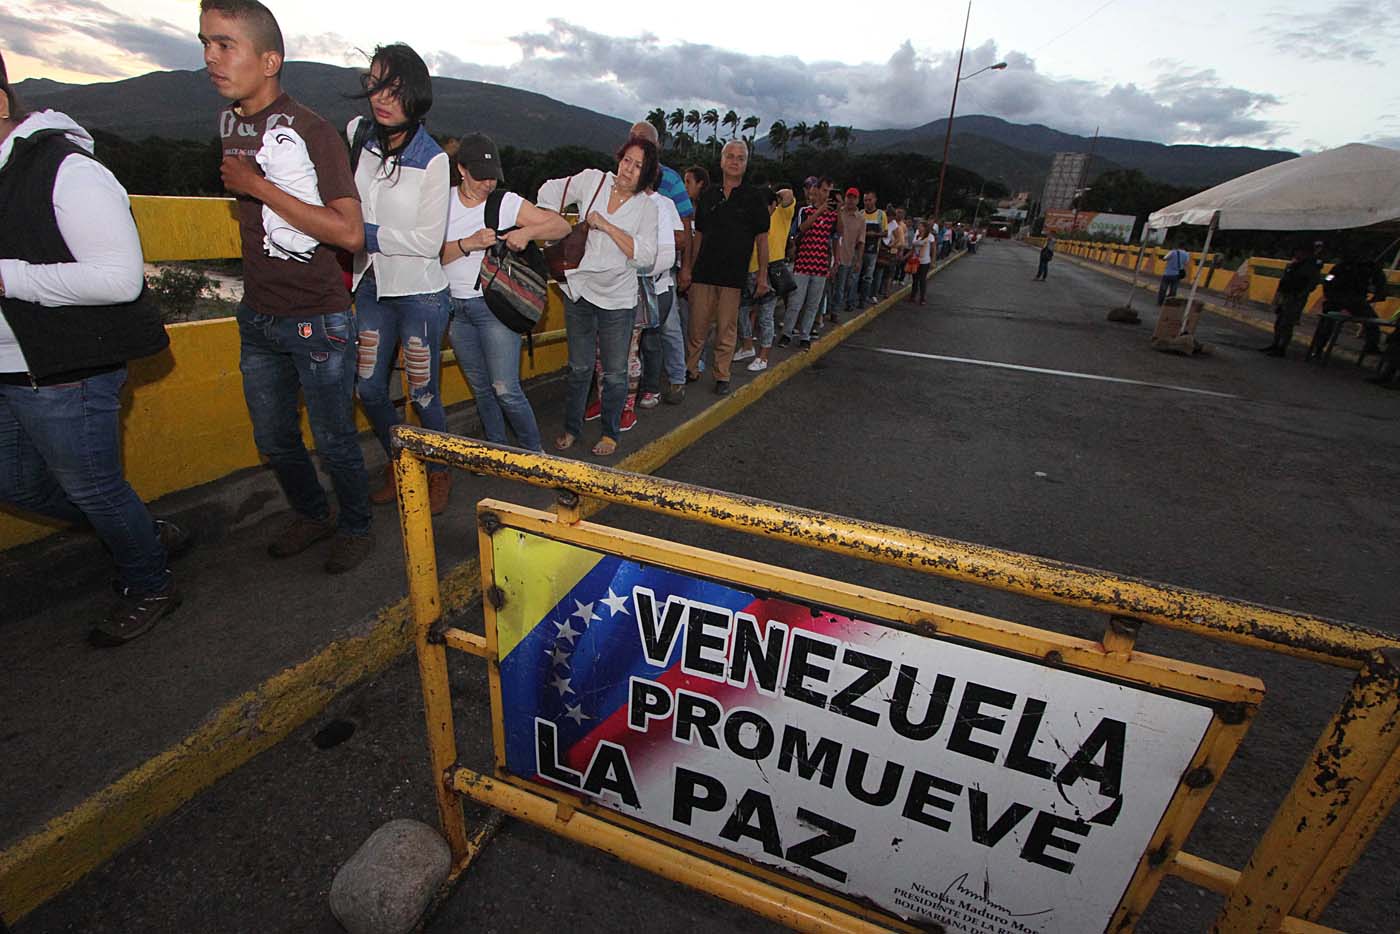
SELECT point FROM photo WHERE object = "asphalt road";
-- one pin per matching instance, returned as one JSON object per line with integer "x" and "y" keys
{"x": 1005, "y": 412}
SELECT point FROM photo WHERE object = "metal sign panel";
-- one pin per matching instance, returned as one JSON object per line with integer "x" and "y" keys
{"x": 937, "y": 779}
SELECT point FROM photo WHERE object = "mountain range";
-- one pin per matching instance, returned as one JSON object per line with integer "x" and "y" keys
{"x": 183, "y": 105}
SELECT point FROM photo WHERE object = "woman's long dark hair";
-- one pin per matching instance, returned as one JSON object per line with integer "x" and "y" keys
{"x": 16, "y": 113}
{"x": 406, "y": 73}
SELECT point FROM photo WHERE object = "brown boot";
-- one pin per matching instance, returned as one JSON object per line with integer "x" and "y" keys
{"x": 439, "y": 490}
{"x": 389, "y": 491}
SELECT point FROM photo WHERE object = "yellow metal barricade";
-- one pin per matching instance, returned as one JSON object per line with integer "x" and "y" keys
{"x": 1348, "y": 785}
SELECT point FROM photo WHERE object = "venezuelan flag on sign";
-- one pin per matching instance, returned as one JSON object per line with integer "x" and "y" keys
{"x": 569, "y": 643}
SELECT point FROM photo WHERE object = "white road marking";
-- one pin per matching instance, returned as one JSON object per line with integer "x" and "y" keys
{"x": 1035, "y": 369}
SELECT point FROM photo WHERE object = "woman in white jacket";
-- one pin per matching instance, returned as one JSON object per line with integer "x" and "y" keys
{"x": 600, "y": 296}
{"x": 73, "y": 311}
{"x": 401, "y": 295}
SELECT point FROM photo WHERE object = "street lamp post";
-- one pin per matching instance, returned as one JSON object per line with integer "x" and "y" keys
{"x": 948, "y": 134}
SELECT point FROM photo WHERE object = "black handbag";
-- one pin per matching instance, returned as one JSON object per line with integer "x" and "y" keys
{"x": 780, "y": 278}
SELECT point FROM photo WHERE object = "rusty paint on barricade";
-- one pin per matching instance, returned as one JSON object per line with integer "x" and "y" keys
{"x": 1339, "y": 795}
{"x": 1329, "y": 794}
{"x": 1251, "y": 624}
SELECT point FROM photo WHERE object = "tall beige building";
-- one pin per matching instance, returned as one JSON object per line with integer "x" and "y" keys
{"x": 1066, "y": 174}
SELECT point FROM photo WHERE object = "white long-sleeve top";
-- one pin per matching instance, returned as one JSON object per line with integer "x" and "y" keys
{"x": 405, "y": 216}
{"x": 286, "y": 163}
{"x": 668, "y": 221}
{"x": 606, "y": 277}
{"x": 94, "y": 217}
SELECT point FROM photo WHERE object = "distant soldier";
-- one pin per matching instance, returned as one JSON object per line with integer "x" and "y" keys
{"x": 1345, "y": 289}
{"x": 1300, "y": 277}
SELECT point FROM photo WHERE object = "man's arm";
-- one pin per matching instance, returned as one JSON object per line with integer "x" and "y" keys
{"x": 339, "y": 223}
{"x": 687, "y": 244}
{"x": 760, "y": 243}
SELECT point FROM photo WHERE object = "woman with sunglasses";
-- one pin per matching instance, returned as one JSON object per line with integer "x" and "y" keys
{"x": 400, "y": 289}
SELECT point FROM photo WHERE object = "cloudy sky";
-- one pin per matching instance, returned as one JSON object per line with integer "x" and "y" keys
{"x": 1275, "y": 73}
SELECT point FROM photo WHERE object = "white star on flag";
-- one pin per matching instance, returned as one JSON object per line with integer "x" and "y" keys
{"x": 558, "y": 656}
{"x": 584, "y": 612}
{"x": 575, "y": 713}
{"x": 561, "y": 685}
{"x": 615, "y": 603}
{"x": 566, "y": 631}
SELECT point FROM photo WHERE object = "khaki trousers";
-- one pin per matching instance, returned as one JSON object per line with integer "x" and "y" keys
{"x": 717, "y": 307}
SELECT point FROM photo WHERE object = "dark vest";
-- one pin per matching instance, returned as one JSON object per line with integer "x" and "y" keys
{"x": 65, "y": 343}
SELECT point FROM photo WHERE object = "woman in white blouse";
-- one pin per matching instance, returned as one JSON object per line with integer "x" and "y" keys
{"x": 600, "y": 296}
{"x": 400, "y": 289}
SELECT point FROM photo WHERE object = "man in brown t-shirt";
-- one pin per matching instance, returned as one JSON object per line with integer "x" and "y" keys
{"x": 296, "y": 328}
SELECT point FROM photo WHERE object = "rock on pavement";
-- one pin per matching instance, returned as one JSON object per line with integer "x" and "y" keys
{"x": 390, "y": 881}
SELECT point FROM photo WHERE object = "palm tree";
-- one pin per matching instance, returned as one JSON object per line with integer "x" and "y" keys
{"x": 676, "y": 121}
{"x": 711, "y": 117}
{"x": 841, "y": 135}
{"x": 731, "y": 120}
{"x": 778, "y": 137}
{"x": 751, "y": 127}
{"x": 692, "y": 119}
{"x": 799, "y": 132}
{"x": 657, "y": 118}
{"x": 820, "y": 134}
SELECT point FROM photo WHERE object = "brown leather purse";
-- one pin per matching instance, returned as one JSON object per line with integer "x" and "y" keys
{"x": 567, "y": 252}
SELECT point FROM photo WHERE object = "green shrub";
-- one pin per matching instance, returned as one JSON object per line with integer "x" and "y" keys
{"x": 178, "y": 289}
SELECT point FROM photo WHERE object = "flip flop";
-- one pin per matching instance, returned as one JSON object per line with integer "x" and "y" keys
{"x": 605, "y": 447}
{"x": 564, "y": 442}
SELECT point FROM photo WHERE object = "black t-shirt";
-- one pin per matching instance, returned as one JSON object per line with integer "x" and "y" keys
{"x": 729, "y": 226}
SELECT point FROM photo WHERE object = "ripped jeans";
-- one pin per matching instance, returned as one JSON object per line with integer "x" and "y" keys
{"x": 417, "y": 322}
{"x": 488, "y": 353}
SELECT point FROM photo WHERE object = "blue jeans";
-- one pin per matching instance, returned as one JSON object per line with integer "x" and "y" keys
{"x": 805, "y": 301}
{"x": 1167, "y": 288}
{"x": 847, "y": 283}
{"x": 765, "y": 306}
{"x": 488, "y": 354}
{"x": 60, "y": 457}
{"x": 418, "y": 323}
{"x": 595, "y": 332}
{"x": 277, "y": 362}
{"x": 867, "y": 277}
{"x": 653, "y": 348}
{"x": 673, "y": 331}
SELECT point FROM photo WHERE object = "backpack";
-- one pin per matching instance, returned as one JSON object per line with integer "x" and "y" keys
{"x": 364, "y": 129}
{"x": 514, "y": 285}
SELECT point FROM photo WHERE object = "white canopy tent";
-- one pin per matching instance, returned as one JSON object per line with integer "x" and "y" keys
{"x": 1352, "y": 186}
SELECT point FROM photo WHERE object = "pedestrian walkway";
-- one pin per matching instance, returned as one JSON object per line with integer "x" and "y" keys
{"x": 101, "y": 744}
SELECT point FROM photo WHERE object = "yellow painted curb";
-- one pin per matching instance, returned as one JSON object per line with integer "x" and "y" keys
{"x": 71, "y": 845}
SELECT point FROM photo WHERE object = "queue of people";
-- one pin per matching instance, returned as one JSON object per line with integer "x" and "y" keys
{"x": 359, "y": 251}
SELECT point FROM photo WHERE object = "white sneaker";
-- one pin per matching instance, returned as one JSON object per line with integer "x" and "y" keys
{"x": 744, "y": 354}
{"x": 758, "y": 365}
{"x": 648, "y": 400}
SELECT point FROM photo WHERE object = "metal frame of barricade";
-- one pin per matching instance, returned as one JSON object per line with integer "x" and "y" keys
{"x": 1340, "y": 798}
